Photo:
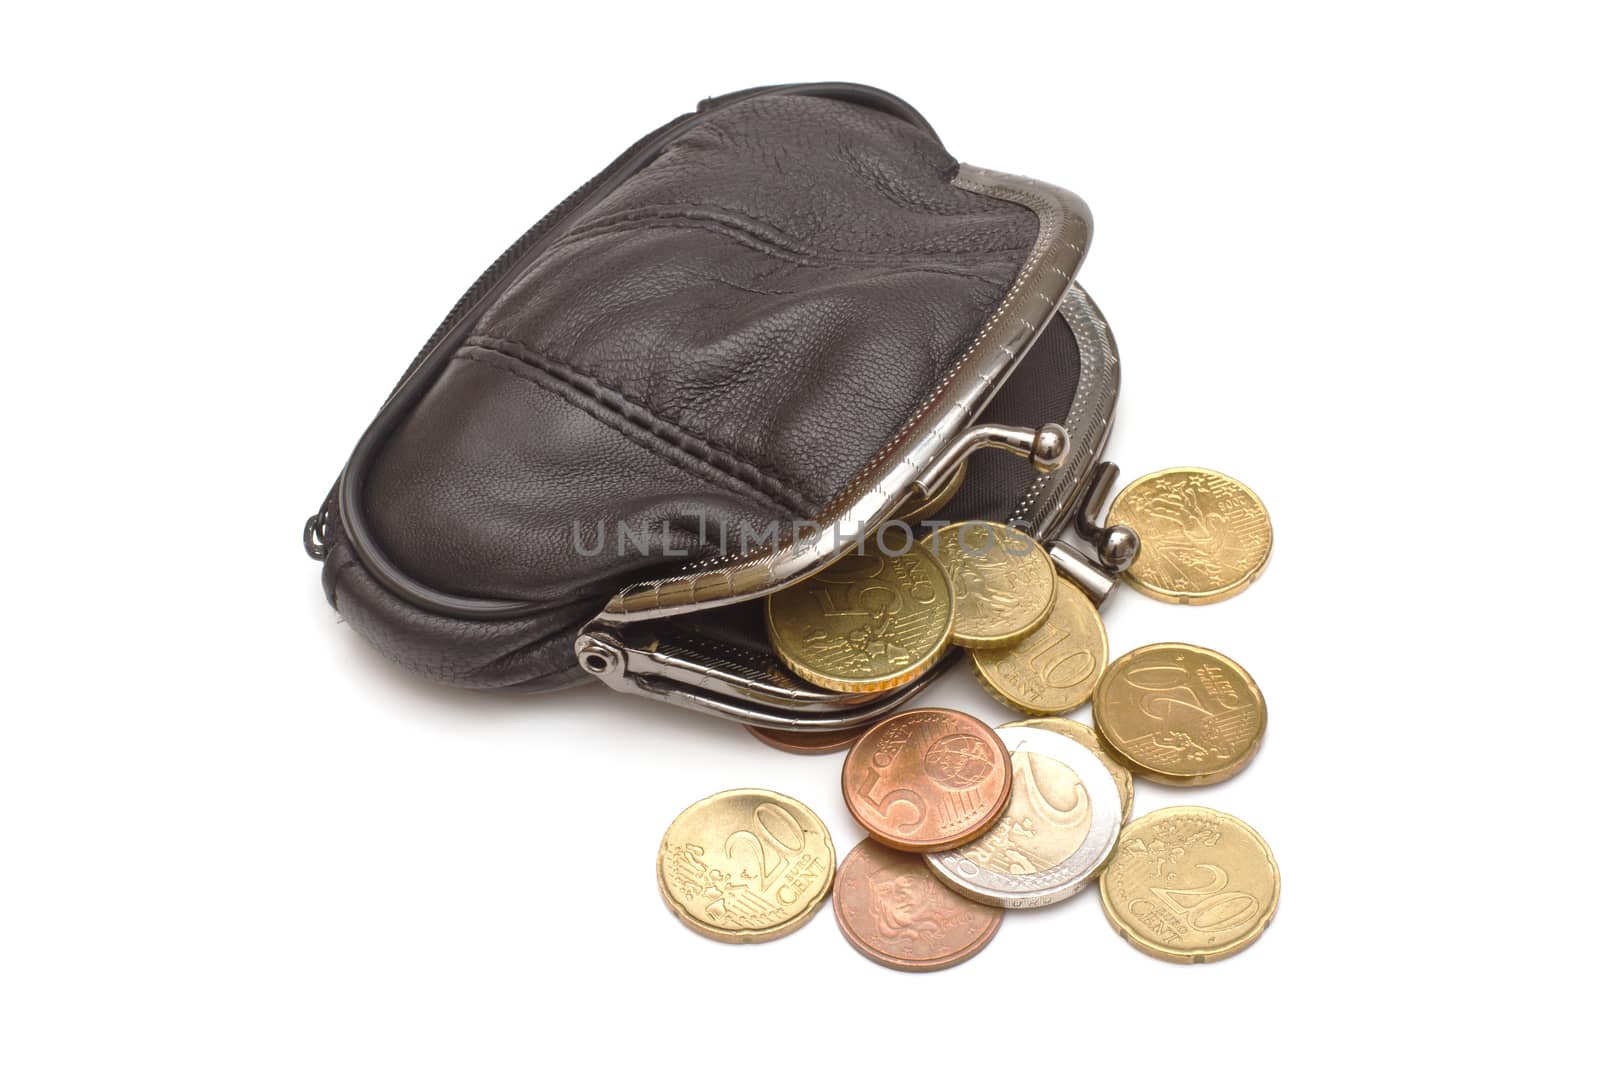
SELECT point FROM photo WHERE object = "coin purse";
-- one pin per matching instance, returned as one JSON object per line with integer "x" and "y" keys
{"x": 770, "y": 328}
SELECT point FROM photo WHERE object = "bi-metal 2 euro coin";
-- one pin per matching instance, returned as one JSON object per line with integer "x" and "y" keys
{"x": 746, "y": 865}
{"x": 1055, "y": 835}
{"x": 1085, "y": 736}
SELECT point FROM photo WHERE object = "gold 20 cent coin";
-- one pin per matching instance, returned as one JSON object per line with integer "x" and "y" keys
{"x": 1055, "y": 668}
{"x": 1002, "y": 581}
{"x": 746, "y": 865}
{"x": 1180, "y": 714}
{"x": 1202, "y": 535}
{"x": 871, "y": 621}
{"x": 1085, "y": 736}
{"x": 1190, "y": 885}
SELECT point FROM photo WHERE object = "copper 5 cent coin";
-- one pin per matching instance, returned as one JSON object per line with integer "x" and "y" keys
{"x": 927, "y": 779}
{"x": 895, "y": 912}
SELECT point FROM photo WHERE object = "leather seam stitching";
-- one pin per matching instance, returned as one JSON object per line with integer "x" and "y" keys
{"x": 755, "y": 244}
{"x": 1049, "y": 217}
{"x": 759, "y": 242}
{"x": 691, "y": 211}
{"x": 592, "y": 390}
{"x": 718, "y": 454}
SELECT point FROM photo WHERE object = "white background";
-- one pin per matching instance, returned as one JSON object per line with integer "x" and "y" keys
{"x": 1349, "y": 258}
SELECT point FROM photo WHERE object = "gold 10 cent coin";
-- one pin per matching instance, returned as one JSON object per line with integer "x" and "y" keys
{"x": 1055, "y": 668}
{"x": 1002, "y": 581}
{"x": 1190, "y": 885}
{"x": 1085, "y": 736}
{"x": 1202, "y": 536}
{"x": 871, "y": 621}
{"x": 744, "y": 866}
{"x": 1180, "y": 714}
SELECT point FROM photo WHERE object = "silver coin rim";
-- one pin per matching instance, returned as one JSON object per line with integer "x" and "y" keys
{"x": 1072, "y": 873}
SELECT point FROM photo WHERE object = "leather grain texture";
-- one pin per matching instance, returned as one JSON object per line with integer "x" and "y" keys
{"x": 720, "y": 344}
{"x": 734, "y": 332}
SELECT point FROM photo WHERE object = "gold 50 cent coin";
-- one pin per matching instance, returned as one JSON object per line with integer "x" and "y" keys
{"x": 1190, "y": 885}
{"x": 869, "y": 622}
{"x": 1002, "y": 581}
{"x": 746, "y": 865}
{"x": 1085, "y": 736}
{"x": 1055, "y": 668}
{"x": 1180, "y": 714}
{"x": 895, "y": 912}
{"x": 927, "y": 779}
{"x": 1202, "y": 536}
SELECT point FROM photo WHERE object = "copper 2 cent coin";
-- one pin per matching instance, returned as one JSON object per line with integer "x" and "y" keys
{"x": 927, "y": 780}
{"x": 895, "y": 912}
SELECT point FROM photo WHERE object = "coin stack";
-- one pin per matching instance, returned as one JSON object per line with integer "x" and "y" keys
{"x": 964, "y": 821}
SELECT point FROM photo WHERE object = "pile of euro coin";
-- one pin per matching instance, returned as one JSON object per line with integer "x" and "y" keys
{"x": 963, "y": 821}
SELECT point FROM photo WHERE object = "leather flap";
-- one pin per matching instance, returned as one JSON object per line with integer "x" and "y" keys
{"x": 771, "y": 326}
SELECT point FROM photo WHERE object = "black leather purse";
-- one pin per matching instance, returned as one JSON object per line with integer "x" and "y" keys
{"x": 769, "y": 328}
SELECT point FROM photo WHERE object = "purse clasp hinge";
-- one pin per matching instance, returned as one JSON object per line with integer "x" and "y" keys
{"x": 1114, "y": 546}
{"x": 1046, "y": 448}
{"x": 649, "y": 662}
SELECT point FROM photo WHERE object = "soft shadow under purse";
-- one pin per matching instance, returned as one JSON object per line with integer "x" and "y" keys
{"x": 767, "y": 329}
